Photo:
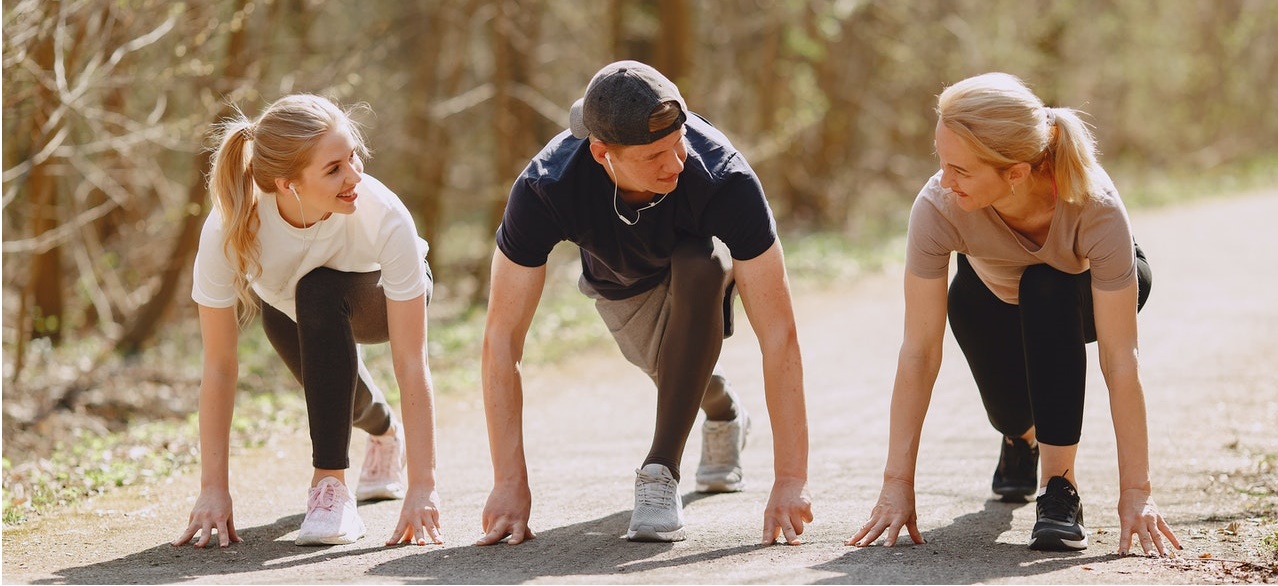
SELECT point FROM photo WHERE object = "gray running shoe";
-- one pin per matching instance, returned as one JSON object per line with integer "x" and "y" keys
{"x": 721, "y": 445}
{"x": 658, "y": 514}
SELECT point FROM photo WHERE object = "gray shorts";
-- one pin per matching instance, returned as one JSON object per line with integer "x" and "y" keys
{"x": 638, "y": 323}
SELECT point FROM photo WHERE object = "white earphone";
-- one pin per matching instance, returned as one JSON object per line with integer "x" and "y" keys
{"x": 295, "y": 195}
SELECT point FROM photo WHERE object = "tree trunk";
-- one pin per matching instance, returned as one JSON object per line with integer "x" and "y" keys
{"x": 143, "y": 326}
{"x": 514, "y": 38}
{"x": 42, "y": 297}
{"x": 674, "y": 43}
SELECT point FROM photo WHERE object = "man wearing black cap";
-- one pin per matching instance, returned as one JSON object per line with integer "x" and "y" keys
{"x": 670, "y": 221}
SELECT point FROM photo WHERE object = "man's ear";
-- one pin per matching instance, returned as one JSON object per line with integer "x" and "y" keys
{"x": 599, "y": 150}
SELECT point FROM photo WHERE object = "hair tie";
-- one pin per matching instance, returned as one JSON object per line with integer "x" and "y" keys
{"x": 1051, "y": 115}
{"x": 246, "y": 132}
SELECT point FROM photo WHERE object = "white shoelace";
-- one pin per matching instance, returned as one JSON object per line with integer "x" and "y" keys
{"x": 324, "y": 498}
{"x": 381, "y": 457}
{"x": 655, "y": 492}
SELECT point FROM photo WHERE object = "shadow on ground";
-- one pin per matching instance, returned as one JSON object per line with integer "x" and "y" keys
{"x": 587, "y": 548}
{"x": 590, "y": 548}
{"x": 966, "y": 551}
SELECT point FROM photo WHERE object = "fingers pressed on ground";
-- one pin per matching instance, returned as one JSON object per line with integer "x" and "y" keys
{"x": 893, "y": 533}
{"x": 1171, "y": 535}
{"x": 913, "y": 527}
{"x": 791, "y": 535}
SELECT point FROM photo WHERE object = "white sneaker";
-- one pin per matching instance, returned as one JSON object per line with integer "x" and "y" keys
{"x": 331, "y": 518}
{"x": 721, "y": 445}
{"x": 658, "y": 514}
{"x": 382, "y": 476}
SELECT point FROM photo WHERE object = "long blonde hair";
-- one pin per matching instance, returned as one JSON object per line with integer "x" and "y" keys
{"x": 1004, "y": 123}
{"x": 277, "y": 145}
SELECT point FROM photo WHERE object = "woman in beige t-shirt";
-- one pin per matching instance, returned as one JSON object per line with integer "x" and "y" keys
{"x": 1046, "y": 264}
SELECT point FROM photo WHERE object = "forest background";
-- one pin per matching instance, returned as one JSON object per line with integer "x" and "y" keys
{"x": 107, "y": 106}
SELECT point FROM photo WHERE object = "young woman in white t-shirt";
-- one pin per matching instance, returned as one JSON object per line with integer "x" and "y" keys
{"x": 331, "y": 258}
{"x": 1046, "y": 264}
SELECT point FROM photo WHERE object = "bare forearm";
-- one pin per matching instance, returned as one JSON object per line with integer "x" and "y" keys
{"x": 1131, "y": 430}
{"x": 217, "y": 404}
{"x": 911, "y": 394}
{"x": 783, "y": 387}
{"x": 503, "y": 410}
{"x": 418, "y": 407}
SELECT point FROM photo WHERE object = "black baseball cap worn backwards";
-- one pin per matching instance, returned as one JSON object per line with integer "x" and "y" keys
{"x": 618, "y": 102}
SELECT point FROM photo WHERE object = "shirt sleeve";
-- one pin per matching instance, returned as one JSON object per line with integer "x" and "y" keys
{"x": 741, "y": 217}
{"x": 213, "y": 277}
{"x": 1106, "y": 240}
{"x": 930, "y": 238}
{"x": 402, "y": 254}
{"x": 528, "y": 230}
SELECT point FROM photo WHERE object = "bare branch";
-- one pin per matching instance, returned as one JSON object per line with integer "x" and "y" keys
{"x": 57, "y": 236}
{"x": 22, "y": 168}
{"x": 540, "y": 104}
{"x": 462, "y": 102}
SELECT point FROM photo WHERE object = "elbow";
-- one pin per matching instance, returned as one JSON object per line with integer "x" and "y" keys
{"x": 923, "y": 357}
{"x": 1119, "y": 366}
{"x": 783, "y": 339}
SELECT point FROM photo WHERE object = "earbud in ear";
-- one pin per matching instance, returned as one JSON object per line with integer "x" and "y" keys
{"x": 295, "y": 195}
{"x": 608, "y": 157}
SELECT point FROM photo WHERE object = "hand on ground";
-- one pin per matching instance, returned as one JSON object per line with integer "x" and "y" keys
{"x": 894, "y": 510}
{"x": 419, "y": 519}
{"x": 1138, "y": 514}
{"x": 506, "y": 515}
{"x": 213, "y": 510}
{"x": 789, "y": 507}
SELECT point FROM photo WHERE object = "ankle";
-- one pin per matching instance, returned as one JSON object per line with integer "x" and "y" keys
{"x": 321, "y": 474}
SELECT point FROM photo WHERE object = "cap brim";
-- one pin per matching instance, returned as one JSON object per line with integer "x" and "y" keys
{"x": 576, "y": 119}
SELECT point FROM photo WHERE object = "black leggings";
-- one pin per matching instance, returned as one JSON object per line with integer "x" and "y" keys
{"x": 1029, "y": 360}
{"x": 690, "y": 345}
{"x": 335, "y": 311}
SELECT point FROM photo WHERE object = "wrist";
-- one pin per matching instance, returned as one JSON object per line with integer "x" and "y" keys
{"x": 1145, "y": 487}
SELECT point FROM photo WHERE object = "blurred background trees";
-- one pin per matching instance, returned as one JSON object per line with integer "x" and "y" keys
{"x": 107, "y": 104}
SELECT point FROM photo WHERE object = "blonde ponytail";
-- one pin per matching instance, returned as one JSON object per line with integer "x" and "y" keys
{"x": 1073, "y": 156}
{"x": 231, "y": 184}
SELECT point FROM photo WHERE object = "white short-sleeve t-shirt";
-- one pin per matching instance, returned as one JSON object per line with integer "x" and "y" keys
{"x": 1095, "y": 236}
{"x": 379, "y": 235}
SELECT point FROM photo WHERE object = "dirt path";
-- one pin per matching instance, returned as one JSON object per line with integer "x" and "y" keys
{"x": 1208, "y": 351}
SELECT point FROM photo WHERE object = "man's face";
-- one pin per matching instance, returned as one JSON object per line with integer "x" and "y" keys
{"x": 650, "y": 168}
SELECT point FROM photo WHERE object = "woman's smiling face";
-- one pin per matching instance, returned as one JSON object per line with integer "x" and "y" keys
{"x": 327, "y": 184}
{"x": 974, "y": 183}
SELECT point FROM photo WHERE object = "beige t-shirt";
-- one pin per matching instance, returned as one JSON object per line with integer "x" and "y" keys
{"x": 1094, "y": 236}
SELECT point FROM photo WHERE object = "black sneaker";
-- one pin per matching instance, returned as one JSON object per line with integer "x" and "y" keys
{"x": 1060, "y": 518}
{"x": 1017, "y": 474}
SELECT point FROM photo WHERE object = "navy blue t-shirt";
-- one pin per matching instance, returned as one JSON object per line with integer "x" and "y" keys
{"x": 564, "y": 194}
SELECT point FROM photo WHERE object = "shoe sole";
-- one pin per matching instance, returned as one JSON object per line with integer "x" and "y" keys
{"x": 713, "y": 487}
{"x": 344, "y": 539}
{"x": 1051, "y": 541}
{"x": 1015, "y": 494}
{"x": 649, "y": 534}
{"x": 379, "y": 494}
